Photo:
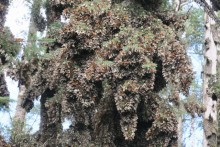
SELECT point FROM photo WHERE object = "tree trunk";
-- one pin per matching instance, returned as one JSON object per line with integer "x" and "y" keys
{"x": 210, "y": 57}
{"x": 192, "y": 130}
{"x": 51, "y": 123}
{"x": 180, "y": 133}
{"x": 177, "y": 5}
{"x": 19, "y": 118}
{"x": 218, "y": 118}
{"x": 20, "y": 113}
{"x": 216, "y": 31}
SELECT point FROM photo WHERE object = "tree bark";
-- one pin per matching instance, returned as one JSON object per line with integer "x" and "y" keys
{"x": 180, "y": 133}
{"x": 51, "y": 123}
{"x": 216, "y": 31}
{"x": 19, "y": 117}
{"x": 210, "y": 57}
{"x": 20, "y": 113}
{"x": 177, "y": 7}
{"x": 177, "y": 4}
{"x": 192, "y": 129}
{"x": 218, "y": 118}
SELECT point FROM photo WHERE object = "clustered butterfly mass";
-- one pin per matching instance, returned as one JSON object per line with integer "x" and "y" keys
{"x": 104, "y": 71}
{"x": 8, "y": 48}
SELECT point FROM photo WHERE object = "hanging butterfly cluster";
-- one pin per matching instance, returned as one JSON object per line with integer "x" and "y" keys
{"x": 3, "y": 10}
{"x": 8, "y": 46}
{"x": 110, "y": 62}
{"x": 216, "y": 4}
{"x": 3, "y": 87}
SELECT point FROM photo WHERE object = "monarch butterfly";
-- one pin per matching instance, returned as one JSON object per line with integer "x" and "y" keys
{"x": 19, "y": 40}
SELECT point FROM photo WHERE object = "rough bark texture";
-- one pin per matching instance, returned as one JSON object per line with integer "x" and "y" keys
{"x": 210, "y": 116}
{"x": 19, "y": 137}
{"x": 218, "y": 118}
{"x": 216, "y": 37}
{"x": 192, "y": 132}
{"x": 19, "y": 117}
{"x": 180, "y": 131}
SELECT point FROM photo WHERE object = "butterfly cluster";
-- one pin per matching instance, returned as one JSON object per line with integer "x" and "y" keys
{"x": 104, "y": 71}
{"x": 8, "y": 46}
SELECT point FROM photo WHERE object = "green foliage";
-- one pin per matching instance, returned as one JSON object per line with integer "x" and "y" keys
{"x": 195, "y": 30}
{"x": 24, "y": 137}
{"x": 4, "y": 102}
{"x": 105, "y": 63}
{"x": 36, "y": 47}
{"x": 148, "y": 65}
{"x": 36, "y": 5}
{"x": 54, "y": 30}
{"x": 216, "y": 87}
{"x": 8, "y": 46}
{"x": 44, "y": 46}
